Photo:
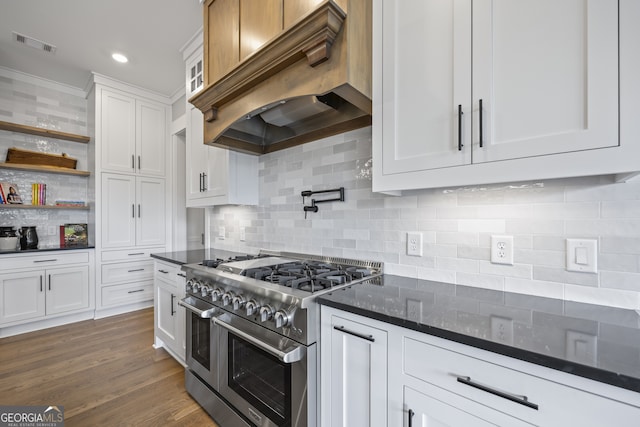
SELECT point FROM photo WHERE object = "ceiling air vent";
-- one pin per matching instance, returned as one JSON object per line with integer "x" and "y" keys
{"x": 34, "y": 43}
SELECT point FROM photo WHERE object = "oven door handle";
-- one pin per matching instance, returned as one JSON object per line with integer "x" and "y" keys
{"x": 205, "y": 314}
{"x": 290, "y": 355}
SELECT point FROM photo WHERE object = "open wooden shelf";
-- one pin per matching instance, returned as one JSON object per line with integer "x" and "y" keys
{"x": 49, "y": 133}
{"x": 15, "y": 206}
{"x": 44, "y": 168}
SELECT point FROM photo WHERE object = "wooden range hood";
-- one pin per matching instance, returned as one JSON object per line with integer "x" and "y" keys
{"x": 310, "y": 81}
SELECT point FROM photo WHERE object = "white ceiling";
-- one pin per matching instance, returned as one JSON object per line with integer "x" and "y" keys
{"x": 87, "y": 32}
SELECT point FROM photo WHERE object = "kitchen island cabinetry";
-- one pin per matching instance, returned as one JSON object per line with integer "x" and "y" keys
{"x": 42, "y": 290}
{"x": 215, "y": 176}
{"x": 474, "y": 96}
{"x": 431, "y": 380}
{"x": 169, "y": 285}
{"x": 354, "y": 359}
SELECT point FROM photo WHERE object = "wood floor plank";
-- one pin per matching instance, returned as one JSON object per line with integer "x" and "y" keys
{"x": 104, "y": 372}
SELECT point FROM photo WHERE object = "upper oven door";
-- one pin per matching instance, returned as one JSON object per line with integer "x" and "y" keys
{"x": 201, "y": 351}
{"x": 263, "y": 374}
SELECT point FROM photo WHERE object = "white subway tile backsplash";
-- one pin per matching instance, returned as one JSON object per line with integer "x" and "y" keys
{"x": 456, "y": 223}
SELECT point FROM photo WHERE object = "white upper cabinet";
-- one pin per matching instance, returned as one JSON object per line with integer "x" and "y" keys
{"x": 496, "y": 91}
{"x": 133, "y": 134}
{"x": 215, "y": 176}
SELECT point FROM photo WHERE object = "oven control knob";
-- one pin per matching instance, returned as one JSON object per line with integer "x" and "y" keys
{"x": 227, "y": 298}
{"x": 216, "y": 294}
{"x": 282, "y": 318}
{"x": 205, "y": 290}
{"x": 266, "y": 313}
{"x": 251, "y": 306}
{"x": 190, "y": 283}
{"x": 196, "y": 286}
{"x": 238, "y": 301}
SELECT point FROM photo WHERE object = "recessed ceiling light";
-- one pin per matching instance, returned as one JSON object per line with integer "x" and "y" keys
{"x": 120, "y": 58}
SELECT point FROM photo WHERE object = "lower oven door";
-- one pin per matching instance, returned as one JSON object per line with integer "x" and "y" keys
{"x": 201, "y": 351}
{"x": 264, "y": 375}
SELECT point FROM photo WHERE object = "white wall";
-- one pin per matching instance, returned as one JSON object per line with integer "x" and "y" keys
{"x": 456, "y": 224}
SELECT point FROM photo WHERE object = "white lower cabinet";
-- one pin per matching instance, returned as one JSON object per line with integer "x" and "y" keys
{"x": 353, "y": 372}
{"x": 169, "y": 288}
{"x": 38, "y": 287}
{"x": 428, "y": 381}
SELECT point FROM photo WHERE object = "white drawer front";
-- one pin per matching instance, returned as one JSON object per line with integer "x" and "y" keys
{"x": 127, "y": 293}
{"x": 52, "y": 258}
{"x": 127, "y": 271}
{"x": 129, "y": 254}
{"x": 442, "y": 367}
{"x": 166, "y": 271}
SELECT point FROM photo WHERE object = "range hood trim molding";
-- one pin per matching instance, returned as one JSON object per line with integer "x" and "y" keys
{"x": 311, "y": 37}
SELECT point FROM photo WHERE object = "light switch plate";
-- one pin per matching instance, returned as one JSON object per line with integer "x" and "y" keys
{"x": 582, "y": 255}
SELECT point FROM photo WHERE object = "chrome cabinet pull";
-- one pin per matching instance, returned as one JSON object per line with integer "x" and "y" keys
{"x": 204, "y": 182}
{"x": 460, "y": 145}
{"x": 355, "y": 334}
{"x": 411, "y": 414}
{"x": 163, "y": 271}
{"x": 133, "y": 161}
{"x": 481, "y": 131}
{"x": 136, "y": 253}
{"x": 133, "y": 271}
{"x": 139, "y": 211}
{"x": 139, "y": 163}
{"x": 522, "y": 400}
{"x": 181, "y": 275}
{"x": 45, "y": 260}
{"x": 172, "y": 310}
{"x": 49, "y": 282}
{"x": 40, "y": 283}
{"x": 133, "y": 210}
{"x": 137, "y": 290}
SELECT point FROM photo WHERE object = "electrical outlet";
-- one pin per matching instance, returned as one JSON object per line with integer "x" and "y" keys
{"x": 221, "y": 233}
{"x": 243, "y": 235}
{"x": 414, "y": 243}
{"x": 414, "y": 310}
{"x": 502, "y": 330}
{"x": 581, "y": 347}
{"x": 502, "y": 250}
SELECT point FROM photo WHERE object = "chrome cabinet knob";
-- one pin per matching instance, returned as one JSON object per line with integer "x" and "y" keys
{"x": 266, "y": 313}
{"x": 282, "y": 319}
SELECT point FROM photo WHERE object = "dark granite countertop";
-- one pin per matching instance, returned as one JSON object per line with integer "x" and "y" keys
{"x": 35, "y": 251}
{"x": 194, "y": 256}
{"x": 543, "y": 328}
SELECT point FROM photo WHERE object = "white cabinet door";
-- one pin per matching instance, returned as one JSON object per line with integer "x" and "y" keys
{"x": 353, "y": 372}
{"x": 197, "y": 156}
{"x": 167, "y": 316}
{"x": 118, "y": 211}
{"x": 118, "y": 135}
{"x": 151, "y": 211}
{"x": 426, "y": 75}
{"x": 22, "y": 296}
{"x": 547, "y": 73}
{"x": 150, "y": 138}
{"x": 67, "y": 289}
{"x": 422, "y": 410}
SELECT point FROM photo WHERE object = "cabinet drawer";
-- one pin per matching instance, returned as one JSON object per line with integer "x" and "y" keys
{"x": 127, "y": 293}
{"x": 53, "y": 258}
{"x": 166, "y": 271}
{"x": 504, "y": 389}
{"x": 127, "y": 271}
{"x": 129, "y": 254}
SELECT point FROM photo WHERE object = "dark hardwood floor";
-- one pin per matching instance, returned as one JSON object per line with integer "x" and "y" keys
{"x": 104, "y": 372}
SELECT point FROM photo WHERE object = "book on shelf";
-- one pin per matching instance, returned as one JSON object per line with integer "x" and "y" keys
{"x": 38, "y": 194}
{"x": 73, "y": 235}
{"x": 9, "y": 193}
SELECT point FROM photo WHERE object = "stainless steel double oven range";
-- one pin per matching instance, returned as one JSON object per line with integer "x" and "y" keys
{"x": 252, "y": 330}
